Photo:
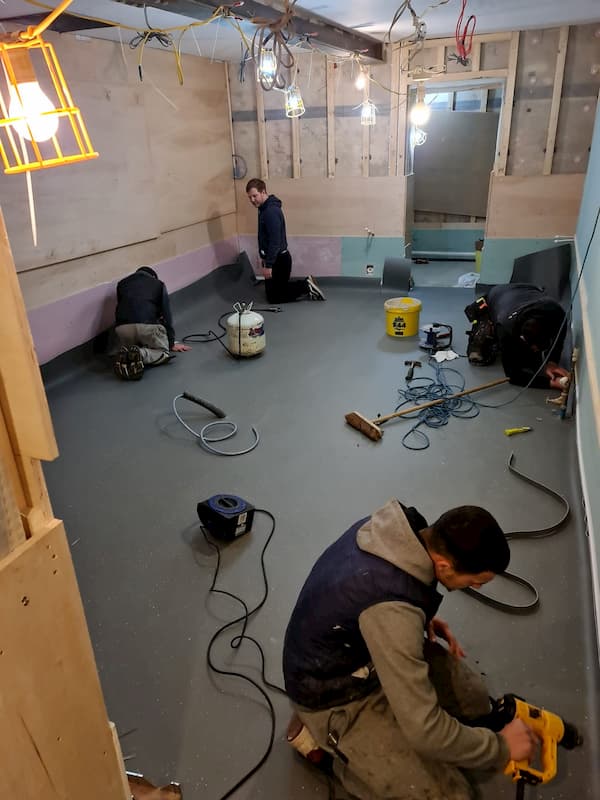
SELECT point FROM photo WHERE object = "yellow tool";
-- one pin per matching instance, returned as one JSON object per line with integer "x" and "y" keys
{"x": 550, "y": 729}
{"x": 512, "y": 431}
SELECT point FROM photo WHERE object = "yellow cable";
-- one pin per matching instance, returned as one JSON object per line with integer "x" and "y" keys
{"x": 221, "y": 10}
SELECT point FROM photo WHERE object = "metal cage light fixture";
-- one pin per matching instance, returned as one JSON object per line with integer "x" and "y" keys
{"x": 294, "y": 104}
{"x": 39, "y": 127}
{"x": 368, "y": 113}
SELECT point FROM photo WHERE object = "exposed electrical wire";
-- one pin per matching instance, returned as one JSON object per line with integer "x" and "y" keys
{"x": 464, "y": 36}
{"x": 275, "y": 34}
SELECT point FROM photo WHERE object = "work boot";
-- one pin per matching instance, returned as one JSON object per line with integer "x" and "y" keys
{"x": 129, "y": 365}
{"x": 313, "y": 290}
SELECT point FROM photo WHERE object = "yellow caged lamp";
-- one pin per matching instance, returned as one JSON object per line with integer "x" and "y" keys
{"x": 39, "y": 127}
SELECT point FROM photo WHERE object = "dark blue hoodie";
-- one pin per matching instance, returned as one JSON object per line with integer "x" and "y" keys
{"x": 271, "y": 230}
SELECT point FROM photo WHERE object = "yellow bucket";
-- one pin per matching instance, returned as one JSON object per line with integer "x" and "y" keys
{"x": 402, "y": 316}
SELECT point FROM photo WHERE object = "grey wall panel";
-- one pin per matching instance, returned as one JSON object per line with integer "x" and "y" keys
{"x": 452, "y": 169}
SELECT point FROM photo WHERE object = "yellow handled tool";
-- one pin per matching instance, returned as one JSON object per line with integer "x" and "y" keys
{"x": 551, "y": 731}
{"x": 512, "y": 431}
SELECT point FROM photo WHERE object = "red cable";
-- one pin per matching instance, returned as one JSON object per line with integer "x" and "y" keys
{"x": 464, "y": 37}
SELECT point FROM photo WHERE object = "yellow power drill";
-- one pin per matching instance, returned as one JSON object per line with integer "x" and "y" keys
{"x": 550, "y": 729}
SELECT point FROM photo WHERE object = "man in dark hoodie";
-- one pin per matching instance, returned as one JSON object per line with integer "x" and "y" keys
{"x": 273, "y": 249}
{"x": 401, "y": 716}
{"x": 143, "y": 324}
{"x": 526, "y": 326}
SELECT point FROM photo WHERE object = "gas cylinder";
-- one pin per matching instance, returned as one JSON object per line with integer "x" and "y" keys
{"x": 245, "y": 331}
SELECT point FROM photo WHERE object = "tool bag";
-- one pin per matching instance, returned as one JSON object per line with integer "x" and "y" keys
{"x": 482, "y": 347}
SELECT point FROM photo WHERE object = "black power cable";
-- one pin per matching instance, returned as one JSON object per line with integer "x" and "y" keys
{"x": 239, "y": 638}
{"x": 540, "y": 533}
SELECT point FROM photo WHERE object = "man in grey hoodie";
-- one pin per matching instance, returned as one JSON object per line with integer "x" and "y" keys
{"x": 402, "y": 715}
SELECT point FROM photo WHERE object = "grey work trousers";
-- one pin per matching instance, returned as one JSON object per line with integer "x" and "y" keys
{"x": 151, "y": 339}
{"x": 381, "y": 764}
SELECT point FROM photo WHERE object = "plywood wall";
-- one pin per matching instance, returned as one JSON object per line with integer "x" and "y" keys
{"x": 332, "y": 142}
{"x": 164, "y": 166}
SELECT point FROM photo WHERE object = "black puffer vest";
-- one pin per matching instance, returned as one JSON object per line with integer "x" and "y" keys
{"x": 323, "y": 645}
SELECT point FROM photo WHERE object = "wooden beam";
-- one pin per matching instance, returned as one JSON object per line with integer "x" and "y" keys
{"x": 476, "y": 56}
{"x": 366, "y": 139}
{"x": 394, "y": 110}
{"x": 262, "y": 133}
{"x": 403, "y": 111}
{"x": 12, "y": 532}
{"x": 559, "y": 74}
{"x": 58, "y": 736}
{"x": 507, "y": 107}
{"x": 331, "y": 75}
{"x": 455, "y": 77}
{"x": 296, "y": 160}
{"x": 22, "y": 394}
{"x": 229, "y": 108}
{"x": 450, "y": 41}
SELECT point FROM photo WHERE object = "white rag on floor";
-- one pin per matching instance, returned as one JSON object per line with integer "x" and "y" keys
{"x": 445, "y": 355}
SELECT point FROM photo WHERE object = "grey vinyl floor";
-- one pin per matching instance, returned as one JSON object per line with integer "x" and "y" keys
{"x": 129, "y": 477}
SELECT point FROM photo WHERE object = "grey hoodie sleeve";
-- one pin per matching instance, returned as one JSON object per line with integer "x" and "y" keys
{"x": 393, "y": 633}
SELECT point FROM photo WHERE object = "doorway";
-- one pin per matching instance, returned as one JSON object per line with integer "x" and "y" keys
{"x": 451, "y": 158}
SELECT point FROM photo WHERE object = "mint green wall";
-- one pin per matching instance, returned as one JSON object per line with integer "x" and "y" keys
{"x": 446, "y": 240}
{"x": 588, "y": 424}
{"x": 499, "y": 254}
{"x": 357, "y": 253}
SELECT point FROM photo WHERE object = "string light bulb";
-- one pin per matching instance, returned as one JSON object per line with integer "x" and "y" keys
{"x": 294, "y": 104}
{"x": 361, "y": 80}
{"x": 420, "y": 112}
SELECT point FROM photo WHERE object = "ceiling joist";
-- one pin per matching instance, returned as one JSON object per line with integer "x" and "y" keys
{"x": 304, "y": 23}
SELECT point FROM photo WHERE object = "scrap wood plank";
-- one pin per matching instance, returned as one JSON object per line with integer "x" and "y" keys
{"x": 58, "y": 736}
{"x": 22, "y": 394}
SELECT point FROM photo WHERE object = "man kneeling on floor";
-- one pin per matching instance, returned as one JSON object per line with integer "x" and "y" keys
{"x": 144, "y": 327}
{"x": 402, "y": 716}
{"x": 526, "y": 326}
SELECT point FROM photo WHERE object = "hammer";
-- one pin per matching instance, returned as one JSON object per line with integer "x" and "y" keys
{"x": 412, "y": 365}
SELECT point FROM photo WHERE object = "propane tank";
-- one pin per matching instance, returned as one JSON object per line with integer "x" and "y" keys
{"x": 245, "y": 331}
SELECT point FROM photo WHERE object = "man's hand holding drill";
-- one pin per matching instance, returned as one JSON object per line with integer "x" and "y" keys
{"x": 521, "y": 740}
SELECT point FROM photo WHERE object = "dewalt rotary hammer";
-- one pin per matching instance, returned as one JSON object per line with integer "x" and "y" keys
{"x": 550, "y": 729}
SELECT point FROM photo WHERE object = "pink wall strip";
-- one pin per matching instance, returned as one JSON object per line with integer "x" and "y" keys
{"x": 71, "y": 321}
{"x": 311, "y": 255}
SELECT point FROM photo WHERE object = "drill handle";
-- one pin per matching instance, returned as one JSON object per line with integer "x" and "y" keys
{"x": 524, "y": 771}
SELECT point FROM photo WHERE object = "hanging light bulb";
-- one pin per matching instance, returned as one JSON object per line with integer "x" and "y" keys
{"x": 33, "y": 110}
{"x": 294, "y": 104}
{"x": 30, "y": 116}
{"x": 267, "y": 66}
{"x": 30, "y": 108}
{"x": 420, "y": 112}
{"x": 361, "y": 80}
{"x": 368, "y": 113}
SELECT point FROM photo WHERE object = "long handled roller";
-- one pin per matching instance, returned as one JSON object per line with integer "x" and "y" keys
{"x": 372, "y": 429}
